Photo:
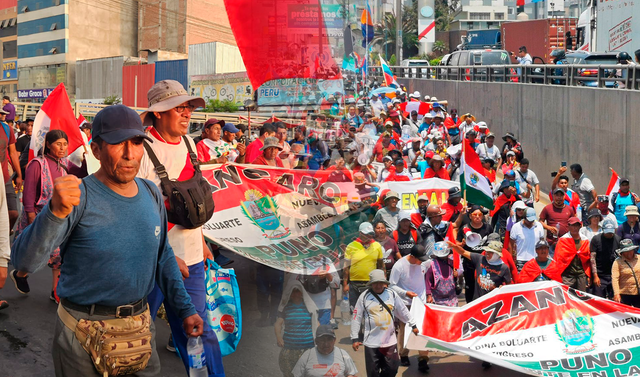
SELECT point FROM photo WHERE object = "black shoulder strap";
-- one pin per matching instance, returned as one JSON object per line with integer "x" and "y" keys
{"x": 381, "y": 302}
{"x": 160, "y": 169}
{"x": 192, "y": 155}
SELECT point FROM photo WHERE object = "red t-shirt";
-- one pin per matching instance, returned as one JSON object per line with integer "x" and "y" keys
{"x": 450, "y": 210}
{"x": 4, "y": 152}
{"x": 380, "y": 151}
{"x": 553, "y": 216}
{"x": 253, "y": 151}
{"x": 442, "y": 174}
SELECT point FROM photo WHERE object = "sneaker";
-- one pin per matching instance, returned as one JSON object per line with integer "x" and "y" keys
{"x": 423, "y": 366}
{"x": 22, "y": 285}
{"x": 404, "y": 361}
{"x": 54, "y": 297}
{"x": 486, "y": 364}
{"x": 3, "y": 304}
{"x": 333, "y": 323}
{"x": 170, "y": 346}
{"x": 223, "y": 261}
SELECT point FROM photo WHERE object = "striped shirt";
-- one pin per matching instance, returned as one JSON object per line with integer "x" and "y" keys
{"x": 297, "y": 327}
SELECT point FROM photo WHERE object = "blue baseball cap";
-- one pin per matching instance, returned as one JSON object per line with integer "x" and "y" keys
{"x": 608, "y": 226}
{"x": 230, "y": 127}
{"x": 117, "y": 123}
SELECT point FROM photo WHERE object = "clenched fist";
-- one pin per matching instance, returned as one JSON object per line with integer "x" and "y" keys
{"x": 66, "y": 195}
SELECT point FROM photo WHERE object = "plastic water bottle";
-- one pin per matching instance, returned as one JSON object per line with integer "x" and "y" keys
{"x": 344, "y": 311}
{"x": 197, "y": 360}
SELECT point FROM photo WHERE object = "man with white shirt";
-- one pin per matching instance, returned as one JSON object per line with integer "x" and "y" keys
{"x": 377, "y": 307}
{"x": 524, "y": 236}
{"x": 489, "y": 150}
{"x": 168, "y": 115}
{"x": 407, "y": 280}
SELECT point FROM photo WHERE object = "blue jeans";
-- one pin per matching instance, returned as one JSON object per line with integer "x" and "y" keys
{"x": 194, "y": 285}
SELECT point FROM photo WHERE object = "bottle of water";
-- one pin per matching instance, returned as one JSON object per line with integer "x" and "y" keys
{"x": 344, "y": 311}
{"x": 197, "y": 361}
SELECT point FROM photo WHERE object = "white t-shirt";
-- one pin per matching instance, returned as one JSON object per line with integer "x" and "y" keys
{"x": 408, "y": 277}
{"x": 529, "y": 177}
{"x": 485, "y": 151}
{"x": 526, "y": 239}
{"x": 314, "y": 364}
{"x": 186, "y": 243}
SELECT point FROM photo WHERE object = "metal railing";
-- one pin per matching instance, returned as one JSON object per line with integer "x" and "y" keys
{"x": 585, "y": 75}
{"x": 26, "y": 110}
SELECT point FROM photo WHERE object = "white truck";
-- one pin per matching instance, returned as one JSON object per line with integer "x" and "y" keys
{"x": 617, "y": 26}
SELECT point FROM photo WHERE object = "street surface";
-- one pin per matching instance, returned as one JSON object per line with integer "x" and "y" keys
{"x": 26, "y": 330}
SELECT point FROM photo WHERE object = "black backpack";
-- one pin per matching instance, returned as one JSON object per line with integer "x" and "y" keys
{"x": 191, "y": 201}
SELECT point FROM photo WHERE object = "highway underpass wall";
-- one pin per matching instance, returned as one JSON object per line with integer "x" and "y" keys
{"x": 597, "y": 128}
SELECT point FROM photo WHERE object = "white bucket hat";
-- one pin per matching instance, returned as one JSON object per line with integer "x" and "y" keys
{"x": 164, "y": 96}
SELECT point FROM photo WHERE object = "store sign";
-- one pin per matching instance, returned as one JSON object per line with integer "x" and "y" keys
{"x": 10, "y": 70}
{"x": 34, "y": 93}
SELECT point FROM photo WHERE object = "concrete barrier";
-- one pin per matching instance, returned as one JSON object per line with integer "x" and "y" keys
{"x": 597, "y": 128}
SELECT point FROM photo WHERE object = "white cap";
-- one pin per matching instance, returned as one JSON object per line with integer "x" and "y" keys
{"x": 519, "y": 205}
{"x": 404, "y": 215}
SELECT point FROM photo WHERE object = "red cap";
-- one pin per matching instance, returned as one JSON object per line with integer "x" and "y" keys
{"x": 429, "y": 154}
{"x": 574, "y": 220}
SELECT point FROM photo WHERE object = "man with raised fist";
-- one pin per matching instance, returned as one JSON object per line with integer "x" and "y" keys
{"x": 112, "y": 231}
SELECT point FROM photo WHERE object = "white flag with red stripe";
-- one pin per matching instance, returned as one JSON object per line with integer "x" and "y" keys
{"x": 418, "y": 106}
{"x": 56, "y": 113}
{"x": 614, "y": 186}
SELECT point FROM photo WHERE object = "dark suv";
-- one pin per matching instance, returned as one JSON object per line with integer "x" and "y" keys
{"x": 593, "y": 58}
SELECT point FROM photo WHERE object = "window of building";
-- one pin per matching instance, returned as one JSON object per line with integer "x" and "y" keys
{"x": 510, "y": 11}
{"x": 479, "y": 16}
{"x": 499, "y": 16}
{"x": 13, "y": 21}
{"x": 54, "y": 26}
{"x": 53, "y": 51}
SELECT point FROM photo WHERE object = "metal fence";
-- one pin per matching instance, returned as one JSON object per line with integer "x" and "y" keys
{"x": 585, "y": 75}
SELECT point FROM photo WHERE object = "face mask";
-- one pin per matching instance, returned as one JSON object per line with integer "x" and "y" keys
{"x": 495, "y": 259}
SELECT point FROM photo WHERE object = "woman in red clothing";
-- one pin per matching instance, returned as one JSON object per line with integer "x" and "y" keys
{"x": 436, "y": 169}
{"x": 270, "y": 152}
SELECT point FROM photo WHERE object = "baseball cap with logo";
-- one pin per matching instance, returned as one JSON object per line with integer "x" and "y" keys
{"x": 166, "y": 95}
{"x": 609, "y": 226}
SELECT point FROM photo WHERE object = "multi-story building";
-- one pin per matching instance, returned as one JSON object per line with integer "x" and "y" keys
{"x": 8, "y": 39}
{"x": 173, "y": 25}
{"x": 53, "y": 34}
{"x": 484, "y": 14}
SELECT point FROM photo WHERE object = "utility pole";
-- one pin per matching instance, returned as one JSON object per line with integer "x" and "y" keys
{"x": 398, "y": 32}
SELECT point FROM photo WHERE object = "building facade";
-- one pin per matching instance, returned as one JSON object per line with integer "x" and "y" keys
{"x": 53, "y": 34}
{"x": 8, "y": 39}
{"x": 484, "y": 14}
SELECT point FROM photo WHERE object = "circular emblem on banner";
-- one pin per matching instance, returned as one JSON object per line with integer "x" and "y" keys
{"x": 474, "y": 179}
{"x": 227, "y": 323}
{"x": 426, "y": 12}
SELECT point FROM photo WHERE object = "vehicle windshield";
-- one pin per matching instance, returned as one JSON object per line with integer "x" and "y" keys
{"x": 493, "y": 57}
{"x": 601, "y": 60}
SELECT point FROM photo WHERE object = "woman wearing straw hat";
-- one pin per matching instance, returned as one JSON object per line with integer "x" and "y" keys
{"x": 625, "y": 274}
{"x": 269, "y": 155}
{"x": 630, "y": 229}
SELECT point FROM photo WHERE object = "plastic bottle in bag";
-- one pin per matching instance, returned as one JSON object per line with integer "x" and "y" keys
{"x": 197, "y": 361}
{"x": 344, "y": 311}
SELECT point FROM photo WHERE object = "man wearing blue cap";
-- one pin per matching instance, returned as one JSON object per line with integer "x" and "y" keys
{"x": 109, "y": 267}
{"x": 236, "y": 150}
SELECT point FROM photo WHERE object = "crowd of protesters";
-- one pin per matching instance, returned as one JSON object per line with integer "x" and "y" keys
{"x": 443, "y": 254}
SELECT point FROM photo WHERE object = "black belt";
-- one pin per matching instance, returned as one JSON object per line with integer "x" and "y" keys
{"x": 127, "y": 310}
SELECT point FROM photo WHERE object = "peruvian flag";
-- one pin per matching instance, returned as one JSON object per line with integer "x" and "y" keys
{"x": 56, "y": 113}
{"x": 421, "y": 107}
{"x": 614, "y": 186}
{"x": 473, "y": 182}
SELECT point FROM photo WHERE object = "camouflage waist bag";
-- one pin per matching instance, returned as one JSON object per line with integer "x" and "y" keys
{"x": 118, "y": 346}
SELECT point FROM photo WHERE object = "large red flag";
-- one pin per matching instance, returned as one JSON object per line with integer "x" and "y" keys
{"x": 56, "y": 113}
{"x": 281, "y": 39}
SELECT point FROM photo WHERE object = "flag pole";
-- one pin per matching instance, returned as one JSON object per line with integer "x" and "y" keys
{"x": 464, "y": 161}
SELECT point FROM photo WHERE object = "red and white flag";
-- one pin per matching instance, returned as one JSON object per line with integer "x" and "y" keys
{"x": 56, "y": 113}
{"x": 614, "y": 186}
{"x": 420, "y": 107}
{"x": 81, "y": 121}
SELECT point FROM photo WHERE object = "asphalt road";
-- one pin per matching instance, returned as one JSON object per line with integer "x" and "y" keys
{"x": 26, "y": 330}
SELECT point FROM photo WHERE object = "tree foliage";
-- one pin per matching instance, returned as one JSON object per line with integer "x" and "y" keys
{"x": 217, "y": 106}
{"x": 446, "y": 11}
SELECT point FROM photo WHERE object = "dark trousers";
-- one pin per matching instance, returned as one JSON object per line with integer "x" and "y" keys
{"x": 269, "y": 284}
{"x": 631, "y": 300}
{"x": 469, "y": 281}
{"x": 605, "y": 290}
{"x": 576, "y": 282}
{"x": 355, "y": 290}
{"x": 381, "y": 362}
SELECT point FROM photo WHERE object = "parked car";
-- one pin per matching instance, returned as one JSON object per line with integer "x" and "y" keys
{"x": 593, "y": 58}
{"x": 415, "y": 63}
{"x": 488, "y": 57}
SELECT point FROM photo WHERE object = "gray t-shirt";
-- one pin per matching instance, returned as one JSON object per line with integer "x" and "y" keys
{"x": 314, "y": 364}
{"x": 527, "y": 178}
{"x": 388, "y": 217}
